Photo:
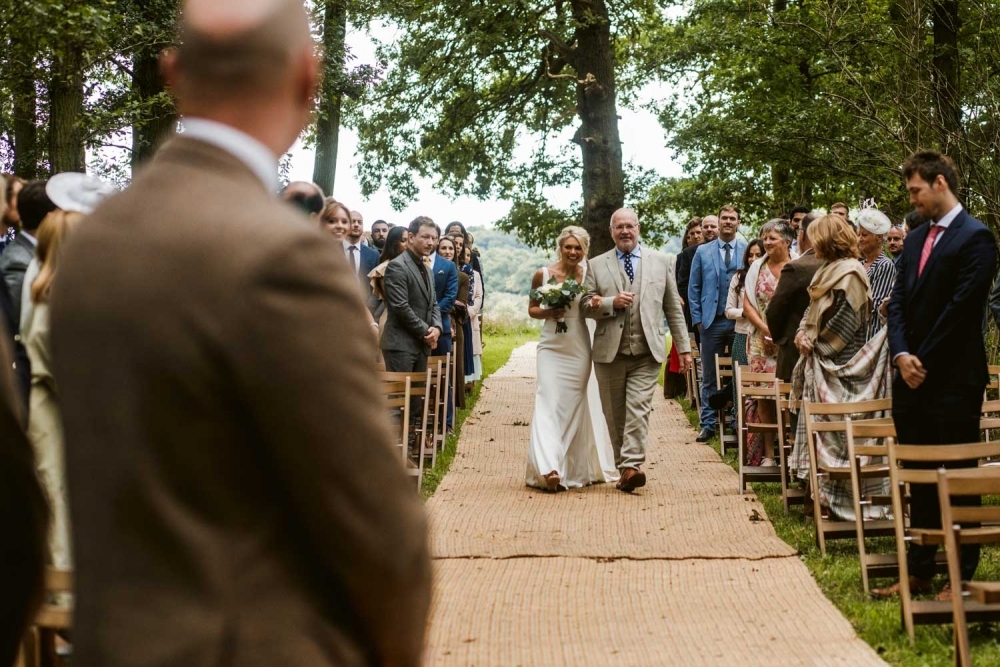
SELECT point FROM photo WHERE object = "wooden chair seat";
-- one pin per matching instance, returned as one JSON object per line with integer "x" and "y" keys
{"x": 984, "y": 592}
{"x": 762, "y": 386}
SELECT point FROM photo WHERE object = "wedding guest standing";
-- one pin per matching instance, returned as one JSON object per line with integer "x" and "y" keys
{"x": 446, "y": 288}
{"x": 475, "y": 374}
{"x": 395, "y": 245}
{"x": 936, "y": 339}
{"x": 306, "y": 197}
{"x": 236, "y": 497}
{"x": 714, "y": 265}
{"x": 894, "y": 241}
{"x": 380, "y": 229}
{"x": 736, "y": 300}
{"x": 675, "y": 382}
{"x": 413, "y": 325}
{"x": 839, "y": 367}
{"x": 791, "y": 298}
{"x": 873, "y": 225}
{"x": 762, "y": 353}
{"x": 709, "y": 231}
{"x": 335, "y": 220}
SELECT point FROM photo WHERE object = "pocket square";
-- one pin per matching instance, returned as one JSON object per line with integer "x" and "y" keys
{"x": 441, "y": 272}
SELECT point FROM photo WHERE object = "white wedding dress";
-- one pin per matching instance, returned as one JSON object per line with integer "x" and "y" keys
{"x": 568, "y": 431}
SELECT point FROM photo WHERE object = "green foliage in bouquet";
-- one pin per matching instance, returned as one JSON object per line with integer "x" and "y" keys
{"x": 556, "y": 295}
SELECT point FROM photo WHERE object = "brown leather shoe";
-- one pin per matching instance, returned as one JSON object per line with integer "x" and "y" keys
{"x": 632, "y": 479}
{"x": 917, "y": 587}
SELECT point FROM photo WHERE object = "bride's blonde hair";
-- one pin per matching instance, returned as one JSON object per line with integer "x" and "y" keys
{"x": 578, "y": 233}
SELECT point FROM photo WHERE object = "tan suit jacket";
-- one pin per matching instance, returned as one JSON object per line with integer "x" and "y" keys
{"x": 235, "y": 497}
{"x": 658, "y": 297}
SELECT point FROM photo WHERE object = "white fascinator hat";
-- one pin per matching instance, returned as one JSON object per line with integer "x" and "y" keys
{"x": 72, "y": 191}
{"x": 872, "y": 219}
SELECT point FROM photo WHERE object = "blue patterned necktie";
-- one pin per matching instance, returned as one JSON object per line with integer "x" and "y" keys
{"x": 629, "y": 269}
{"x": 729, "y": 256}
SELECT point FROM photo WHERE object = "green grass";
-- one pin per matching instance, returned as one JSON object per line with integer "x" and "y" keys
{"x": 839, "y": 577}
{"x": 496, "y": 352}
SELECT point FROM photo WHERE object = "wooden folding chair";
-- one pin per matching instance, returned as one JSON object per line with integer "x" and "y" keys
{"x": 441, "y": 433}
{"x": 992, "y": 391}
{"x": 970, "y": 482}
{"x": 908, "y": 464}
{"x": 421, "y": 387}
{"x": 833, "y": 418}
{"x": 724, "y": 371}
{"x": 790, "y": 495}
{"x": 760, "y": 386}
{"x": 862, "y": 441}
{"x": 39, "y": 646}
{"x": 989, "y": 419}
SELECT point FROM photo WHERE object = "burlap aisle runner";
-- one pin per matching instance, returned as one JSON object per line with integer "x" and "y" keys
{"x": 674, "y": 574}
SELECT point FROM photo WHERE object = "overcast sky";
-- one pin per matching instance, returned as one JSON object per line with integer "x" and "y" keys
{"x": 642, "y": 137}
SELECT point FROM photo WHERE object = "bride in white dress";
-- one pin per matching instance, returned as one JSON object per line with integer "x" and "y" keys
{"x": 570, "y": 445}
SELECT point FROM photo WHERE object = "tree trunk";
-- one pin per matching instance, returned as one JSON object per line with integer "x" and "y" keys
{"x": 600, "y": 143}
{"x": 25, "y": 122}
{"x": 160, "y": 118}
{"x": 947, "y": 73}
{"x": 24, "y": 108}
{"x": 66, "y": 150}
{"x": 329, "y": 112}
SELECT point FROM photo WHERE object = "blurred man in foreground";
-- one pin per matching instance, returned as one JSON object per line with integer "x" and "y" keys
{"x": 232, "y": 502}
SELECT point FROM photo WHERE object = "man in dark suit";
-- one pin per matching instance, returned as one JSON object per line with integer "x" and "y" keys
{"x": 236, "y": 496}
{"x": 413, "y": 321}
{"x": 361, "y": 258}
{"x": 446, "y": 291}
{"x": 936, "y": 339}
{"x": 790, "y": 300}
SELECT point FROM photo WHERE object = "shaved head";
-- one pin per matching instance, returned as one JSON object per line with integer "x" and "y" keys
{"x": 248, "y": 64}
{"x": 239, "y": 48}
{"x": 624, "y": 215}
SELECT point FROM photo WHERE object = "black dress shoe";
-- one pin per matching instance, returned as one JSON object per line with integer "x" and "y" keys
{"x": 705, "y": 435}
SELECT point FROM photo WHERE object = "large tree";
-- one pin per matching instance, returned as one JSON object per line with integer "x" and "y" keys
{"x": 488, "y": 97}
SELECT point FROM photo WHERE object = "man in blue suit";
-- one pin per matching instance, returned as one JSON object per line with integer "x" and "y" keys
{"x": 712, "y": 270}
{"x": 446, "y": 289}
{"x": 936, "y": 340}
{"x": 361, "y": 257}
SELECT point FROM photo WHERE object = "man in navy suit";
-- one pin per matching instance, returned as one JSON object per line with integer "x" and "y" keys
{"x": 936, "y": 339}
{"x": 712, "y": 270}
{"x": 446, "y": 289}
{"x": 361, "y": 257}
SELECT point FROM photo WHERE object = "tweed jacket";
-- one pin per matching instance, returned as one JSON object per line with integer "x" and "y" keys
{"x": 657, "y": 296}
{"x": 236, "y": 497}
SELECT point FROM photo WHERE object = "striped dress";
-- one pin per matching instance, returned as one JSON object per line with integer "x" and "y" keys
{"x": 881, "y": 276}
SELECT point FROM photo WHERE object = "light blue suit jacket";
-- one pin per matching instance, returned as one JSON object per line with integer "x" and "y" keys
{"x": 708, "y": 282}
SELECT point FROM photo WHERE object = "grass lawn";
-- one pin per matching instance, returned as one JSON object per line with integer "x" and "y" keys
{"x": 839, "y": 576}
{"x": 496, "y": 352}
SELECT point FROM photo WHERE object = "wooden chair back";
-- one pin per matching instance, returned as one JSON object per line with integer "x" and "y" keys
{"x": 867, "y": 454}
{"x": 834, "y": 418}
{"x": 978, "y": 482}
{"x": 762, "y": 387}
{"x": 786, "y": 407}
{"x": 918, "y": 464}
{"x": 989, "y": 420}
{"x": 38, "y": 649}
{"x": 724, "y": 371}
{"x": 421, "y": 396}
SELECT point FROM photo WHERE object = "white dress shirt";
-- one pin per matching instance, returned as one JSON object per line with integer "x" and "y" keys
{"x": 945, "y": 222}
{"x": 255, "y": 155}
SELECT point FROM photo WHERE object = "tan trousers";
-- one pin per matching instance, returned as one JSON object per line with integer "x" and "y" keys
{"x": 627, "y": 385}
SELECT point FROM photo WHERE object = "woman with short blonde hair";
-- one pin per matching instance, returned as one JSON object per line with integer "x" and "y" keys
{"x": 578, "y": 233}
{"x": 837, "y": 365}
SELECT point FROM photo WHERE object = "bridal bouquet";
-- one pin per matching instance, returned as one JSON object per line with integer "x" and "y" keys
{"x": 557, "y": 296}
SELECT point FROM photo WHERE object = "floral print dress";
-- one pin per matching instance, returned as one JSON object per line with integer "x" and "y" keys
{"x": 763, "y": 355}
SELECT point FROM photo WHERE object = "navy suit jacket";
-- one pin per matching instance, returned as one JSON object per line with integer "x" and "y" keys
{"x": 446, "y": 289}
{"x": 939, "y": 316}
{"x": 708, "y": 283}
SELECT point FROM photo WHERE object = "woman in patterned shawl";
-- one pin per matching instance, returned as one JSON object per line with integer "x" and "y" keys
{"x": 837, "y": 365}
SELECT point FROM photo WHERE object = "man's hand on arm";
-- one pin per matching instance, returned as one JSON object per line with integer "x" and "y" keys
{"x": 912, "y": 370}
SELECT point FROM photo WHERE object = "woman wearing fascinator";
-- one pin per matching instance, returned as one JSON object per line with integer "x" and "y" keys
{"x": 873, "y": 226}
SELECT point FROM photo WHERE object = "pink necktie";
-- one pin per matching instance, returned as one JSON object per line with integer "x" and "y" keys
{"x": 925, "y": 254}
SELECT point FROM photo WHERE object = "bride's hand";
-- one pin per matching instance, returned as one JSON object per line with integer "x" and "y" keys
{"x": 596, "y": 301}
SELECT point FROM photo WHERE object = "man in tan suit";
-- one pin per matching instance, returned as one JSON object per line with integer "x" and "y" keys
{"x": 629, "y": 291}
{"x": 235, "y": 497}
